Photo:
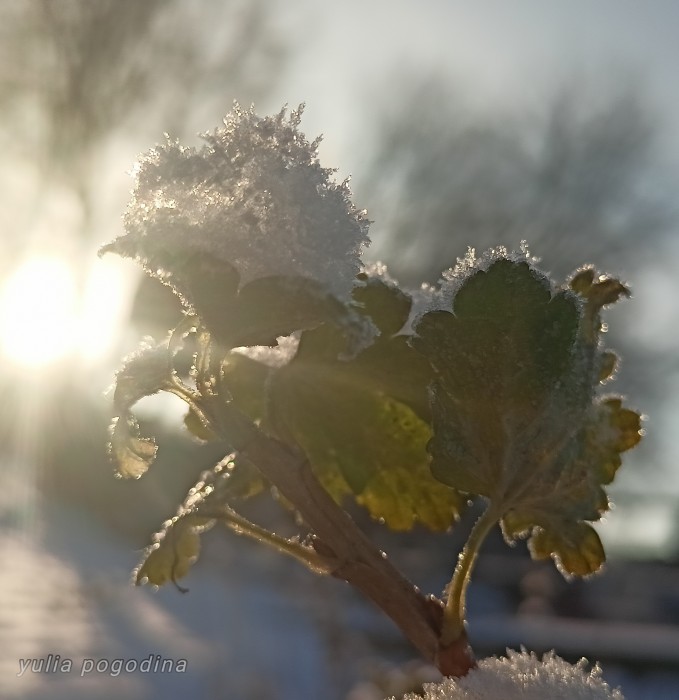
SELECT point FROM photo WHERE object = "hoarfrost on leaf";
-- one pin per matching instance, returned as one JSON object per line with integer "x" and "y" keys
{"x": 254, "y": 197}
{"x": 523, "y": 676}
{"x": 516, "y": 417}
{"x": 363, "y": 421}
{"x": 277, "y": 356}
{"x": 143, "y": 373}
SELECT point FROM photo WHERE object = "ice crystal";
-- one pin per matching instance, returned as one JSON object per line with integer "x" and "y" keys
{"x": 440, "y": 296}
{"x": 522, "y": 676}
{"x": 277, "y": 356}
{"x": 254, "y": 196}
{"x": 380, "y": 271}
{"x": 453, "y": 277}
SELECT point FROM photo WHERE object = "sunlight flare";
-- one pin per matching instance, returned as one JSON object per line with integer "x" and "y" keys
{"x": 46, "y": 315}
{"x": 38, "y": 312}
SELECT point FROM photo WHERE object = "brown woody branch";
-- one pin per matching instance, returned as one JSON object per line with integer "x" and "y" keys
{"x": 350, "y": 555}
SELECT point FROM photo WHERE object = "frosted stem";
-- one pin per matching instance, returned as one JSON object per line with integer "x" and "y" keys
{"x": 242, "y": 526}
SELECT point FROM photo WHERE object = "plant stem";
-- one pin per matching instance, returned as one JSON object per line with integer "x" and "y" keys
{"x": 345, "y": 550}
{"x": 242, "y": 526}
{"x": 456, "y": 608}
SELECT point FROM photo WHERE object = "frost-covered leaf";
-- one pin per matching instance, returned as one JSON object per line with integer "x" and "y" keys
{"x": 203, "y": 283}
{"x": 132, "y": 454}
{"x": 610, "y": 430}
{"x": 177, "y": 546}
{"x": 144, "y": 373}
{"x": 387, "y": 305}
{"x": 250, "y": 231}
{"x": 175, "y": 550}
{"x": 497, "y": 358}
{"x": 363, "y": 423}
{"x": 609, "y": 364}
{"x": 576, "y": 547}
{"x": 254, "y": 197}
{"x": 590, "y": 461}
{"x": 275, "y": 306}
{"x": 515, "y": 415}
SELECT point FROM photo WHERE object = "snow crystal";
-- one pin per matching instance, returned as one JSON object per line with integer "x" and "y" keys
{"x": 522, "y": 676}
{"x": 380, "y": 271}
{"x": 276, "y": 356}
{"x": 453, "y": 278}
{"x": 254, "y": 196}
{"x": 440, "y": 297}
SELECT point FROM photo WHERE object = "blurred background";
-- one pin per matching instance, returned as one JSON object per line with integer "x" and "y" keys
{"x": 463, "y": 124}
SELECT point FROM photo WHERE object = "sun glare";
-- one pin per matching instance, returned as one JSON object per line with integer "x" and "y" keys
{"x": 37, "y": 312}
{"x": 44, "y": 317}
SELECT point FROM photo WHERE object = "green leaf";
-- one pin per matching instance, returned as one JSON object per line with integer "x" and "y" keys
{"x": 144, "y": 373}
{"x": 202, "y": 282}
{"x": 246, "y": 381}
{"x": 254, "y": 314}
{"x": 363, "y": 422}
{"x": 387, "y": 306}
{"x": 515, "y": 415}
{"x": 269, "y": 307}
{"x": 498, "y": 357}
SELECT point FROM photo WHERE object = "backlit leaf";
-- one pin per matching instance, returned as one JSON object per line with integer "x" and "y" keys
{"x": 236, "y": 315}
{"x": 246, "y": 381}
{"x": 177, "y": 546}
{"x": 270, "y": 307}
{"x": 132, "y": 454}
{"x": 144, "y": 373}
{"x": 576, "y": 548}
{"x": 173, "y": 553}
{"x": 515, "y": 415}
{"x": 363, "y": 423}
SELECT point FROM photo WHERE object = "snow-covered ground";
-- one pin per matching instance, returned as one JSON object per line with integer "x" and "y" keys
{"x": 68, "y": 594}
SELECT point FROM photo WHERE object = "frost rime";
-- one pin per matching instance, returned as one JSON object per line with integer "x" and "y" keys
{"x": 522, "y": 676}
{"x": 256, "y": 197}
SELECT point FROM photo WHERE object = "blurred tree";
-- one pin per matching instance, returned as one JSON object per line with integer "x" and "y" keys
{"x": 579, "y": 181}
{"x": 76, "y": 72}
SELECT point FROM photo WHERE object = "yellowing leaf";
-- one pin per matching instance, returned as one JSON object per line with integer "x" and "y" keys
{"x": 175, "y": 550}
{"x": 576, "y": 548}
{"x": 363, "y": 423}
{"x": 404, "y": 496}
{"x": 177, "y": 546}
{"x": 132, "y": 454}
{"x": 143, "y": 374}
{"x": 611, "y": 431}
